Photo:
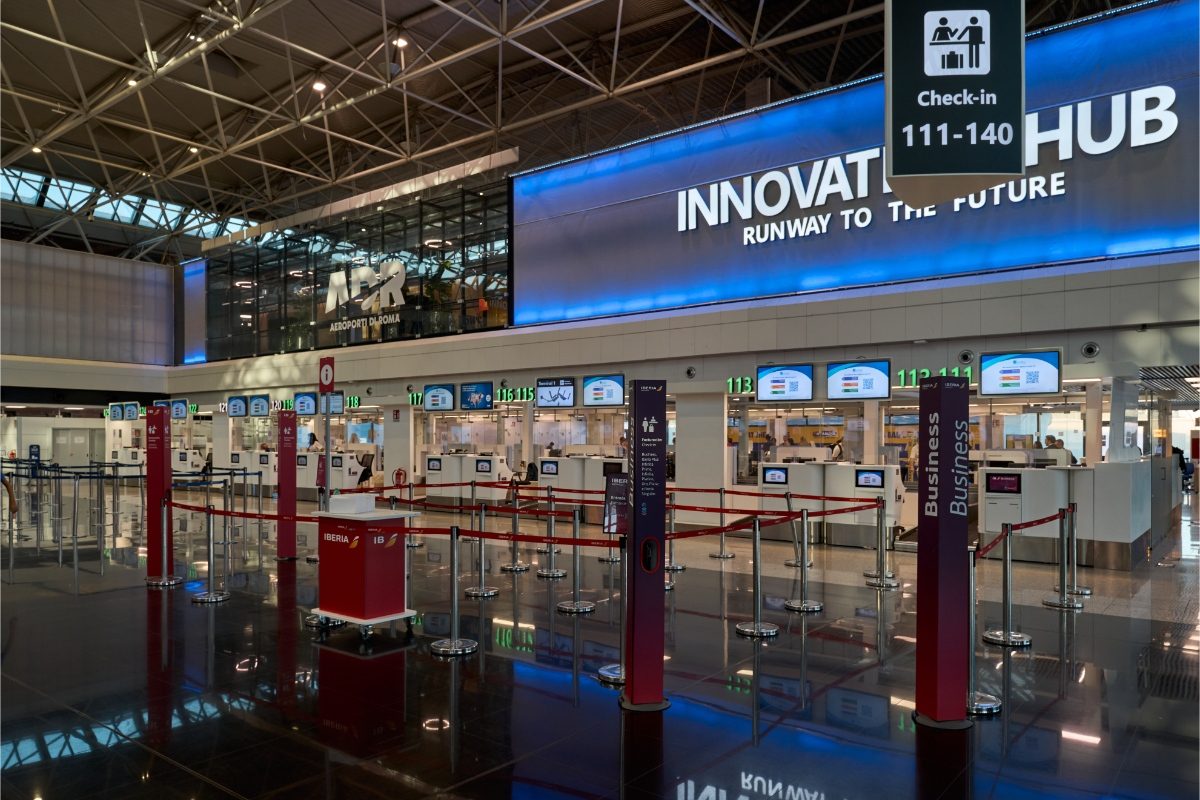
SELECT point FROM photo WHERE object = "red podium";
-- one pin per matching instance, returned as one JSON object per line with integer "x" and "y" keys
{"x": 362, "y": 574}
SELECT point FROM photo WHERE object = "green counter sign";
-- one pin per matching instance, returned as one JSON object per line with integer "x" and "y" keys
{"x": 955, "y": 86}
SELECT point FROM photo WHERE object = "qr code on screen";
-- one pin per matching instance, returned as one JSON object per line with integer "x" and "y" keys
{"x": 1032, "y": 377}
{"x": 868, "y": 383}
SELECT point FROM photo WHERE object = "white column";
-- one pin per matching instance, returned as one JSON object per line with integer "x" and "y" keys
{"x": 700, "y": 460}
{"x": 1093, "y": 409}
{"x": 1122, "y": 409}
{"x": 872, "y": 431}
{"x": 527, "y": 452}
{"x": 398, "y": 441}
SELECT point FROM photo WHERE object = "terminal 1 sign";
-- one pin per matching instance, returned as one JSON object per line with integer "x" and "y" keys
{"x": 795, "y": 198}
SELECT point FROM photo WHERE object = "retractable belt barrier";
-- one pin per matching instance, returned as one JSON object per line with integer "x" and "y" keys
{"x": 1006, "y": 636}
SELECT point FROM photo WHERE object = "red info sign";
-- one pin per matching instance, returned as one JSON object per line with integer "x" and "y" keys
{"x": 325, "y": 375}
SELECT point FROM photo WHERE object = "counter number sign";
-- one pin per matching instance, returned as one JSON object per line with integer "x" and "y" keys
{"x": 325, "y": 375}
{"x": 955, "y": 87}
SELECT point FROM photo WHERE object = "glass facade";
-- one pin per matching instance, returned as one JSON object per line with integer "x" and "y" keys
{"x": 434, "y": 267}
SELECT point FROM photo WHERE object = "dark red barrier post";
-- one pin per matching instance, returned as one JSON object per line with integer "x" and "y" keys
{"x": 285, "y": 529}
{"x": 943, "y": 584}
{"x": 647, "y": 513}
{"x": 158, "y": 489}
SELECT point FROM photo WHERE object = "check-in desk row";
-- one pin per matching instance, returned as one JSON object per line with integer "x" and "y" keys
{"x": 454, "y": 468}
{"x": 569, "y": 476}
{"x": 865, "y": 482}
{"x": 346, "y": 469}
{"x": 1113, "y": 517}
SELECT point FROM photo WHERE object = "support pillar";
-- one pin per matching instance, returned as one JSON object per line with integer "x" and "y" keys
{"x": 1093, "y": 408}
{"x": 700, "y": 442}
{"x": 399, "y": 445}
{"x": 285, "y": 459}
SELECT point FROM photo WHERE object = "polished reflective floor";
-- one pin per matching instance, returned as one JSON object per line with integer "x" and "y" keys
{"x": 110, "y": 690}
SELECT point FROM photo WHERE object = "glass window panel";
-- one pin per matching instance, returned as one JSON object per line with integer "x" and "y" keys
{"x": 67, "y": 195}
{"x": 22, "y": 186}
{"x": 119, "y": 209}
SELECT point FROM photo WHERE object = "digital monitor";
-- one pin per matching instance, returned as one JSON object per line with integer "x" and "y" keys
{"x": 555, "y": 392}
{"x": 868, "y": 478}
{"x": 484, "y": 465}
{"x": 301, "y": 461}
{"x": 235, "y": 458}
{"x": 439, "y": 397}
{"x": 305, "y": 404}
{"x": 549, "y": 467}
{"x": 475, "y": 396}
{"x": 775, "y": 475}
{"x": 613, "y": 468}
{"x": 162, "y": 403}
{"x": 116, "y": 412}
{"x": 1020, "y": 373}
{"x": 236, "y": 406}
{"x": 260, "y": 405}
{"x": 183, "y": 456}
{"x": 779, "y": 383}
{"x": 114, "y": 455}
{"x": 132, "y": 411}
{"x": 336, "y": 403}
{"x": 179, "y": 408}
{"x": 337, "y": 461}
{"x": 604, "y": 390}
{"x": 858, "y": 380}
{"x": 264, "y": 459}
{"x": 433, "y": 465}
{"x": 1003, "y": 483}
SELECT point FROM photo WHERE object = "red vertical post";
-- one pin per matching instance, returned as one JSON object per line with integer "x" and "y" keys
{"x": 943, "y": 583}
{"x": 158, "y": 489}
{"x": 644, "y": 639}
{"x": 285, "y": 459}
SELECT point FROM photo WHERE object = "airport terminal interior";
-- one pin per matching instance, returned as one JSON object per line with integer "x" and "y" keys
{"x": 683, "y": 399}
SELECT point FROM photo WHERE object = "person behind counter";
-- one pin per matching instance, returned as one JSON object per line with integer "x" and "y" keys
{"x": 313, "y": 444}
{"x": 836, "y": 451}
{"x": 1054, "y": 443}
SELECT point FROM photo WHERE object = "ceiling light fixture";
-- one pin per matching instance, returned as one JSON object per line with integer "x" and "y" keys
{"x": 72, "y": 408}
{"x": 131, "y": 82}
{"x": 193, "y": 149}
{"x": 35, "y": 149}
{"x": 400, "y": 42}
{"x": 12, "y": 408}
{"x": 319, "y": 85}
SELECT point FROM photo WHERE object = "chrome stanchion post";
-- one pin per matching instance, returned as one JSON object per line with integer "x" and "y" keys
{"x": 795, "y": 560}
{"x": 211, "y": 595}
{"x": 516, "y": 565}
{"x": 978, "y": 703}
{"x": 550, "y": 570}
{"x": 258, "y": 491}
{"x": 575, "y": 605}
{"x": 722, "y": 553}
{"x": 411, "y": 541}
{"x": 672, "y": 565}
{"x": 116, "y": 502}
{"x": 101, "y": 515}
{"x": 12, "y": 546}
{"x": 614, "y": 674}
{"x": 481, "y": 590}
{"x": 1062, "y": 601}
{"x": 58, "y": 518}
{"x": 802, "y": 603}
{"x": 1076, "y": 589}
{"x": 75, "y": 534}
{"x": 757, "y": 629}
{"x": 1007, "y": 637}
{"x": 542, "y": 548}
{"x": 881, "y": 578}
{"x": 164, "y": 580}
{"x": 454, "y": 646}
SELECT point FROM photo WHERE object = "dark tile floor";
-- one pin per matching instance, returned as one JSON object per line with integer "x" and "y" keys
{"x": 122, "y": 692}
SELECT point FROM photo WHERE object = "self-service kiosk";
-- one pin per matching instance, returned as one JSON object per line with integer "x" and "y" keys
{"x": 562, "y": 474}
{"x": 778, "y": 480}
{"x": 1011, "y": 495}
{"x": 866, "y": 483}
{"x": 595, "y": 469}
{"x": 443, "y": 469}
{"x": 485, "y": 469}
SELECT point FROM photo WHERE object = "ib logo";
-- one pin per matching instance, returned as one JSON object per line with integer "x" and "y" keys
{"x": 958, "y": 43}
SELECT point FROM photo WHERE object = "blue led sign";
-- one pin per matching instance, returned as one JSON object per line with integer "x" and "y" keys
{"x": 791, "y": 198}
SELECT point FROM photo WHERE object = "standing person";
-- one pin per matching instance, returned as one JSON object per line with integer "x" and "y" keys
{"x": 836, "y": 451}
{"x": 622, "y": 447}
{"x": 1037, "y": 443}
{"x": 12, "y": 498}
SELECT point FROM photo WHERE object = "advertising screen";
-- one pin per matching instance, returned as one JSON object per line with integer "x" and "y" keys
{"x": 555, "y": 392}
{"x": 260, "y": 405}
{"x": 305, "y": 404}
{"x": 549, "y": 467}
{"x": 439, "y": 397}
{"x": 1020, "y": 373}
{"x": 179, "y": 408}
{"x": 858, "y": 380}
{"x": 433, "y": 465}
{"x": 775, "y": 475}
{"x": 1003, "y": 483}
{"x": 236, "y": 406}
{"x": 868, "y": 478}
{"x": 604, "y": 390}
{"x": 475, "y": 396}
{"x": 483, "y": 465}
{"x": 777, "y": 383}
{"x": 336, "y": 401}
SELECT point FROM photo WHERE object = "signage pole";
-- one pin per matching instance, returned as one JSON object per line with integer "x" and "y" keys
{"x": 159, "y": 537}
{"x": 285, "y": 506}
{"x": 327, "y": 456}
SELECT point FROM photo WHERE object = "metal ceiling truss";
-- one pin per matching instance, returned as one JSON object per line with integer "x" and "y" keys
{"x": 404, "y": 92}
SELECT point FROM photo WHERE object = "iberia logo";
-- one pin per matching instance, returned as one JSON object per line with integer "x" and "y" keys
{"x": 391, "y": 542}
{"x": 354, "y": 542}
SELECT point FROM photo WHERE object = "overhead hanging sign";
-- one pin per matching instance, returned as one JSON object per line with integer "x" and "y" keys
{"x": 954, "y": 82}
{"x": 794, "y": 198}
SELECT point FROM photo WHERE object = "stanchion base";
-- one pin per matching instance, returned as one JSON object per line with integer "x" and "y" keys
{"x": 791, "y": 562}
{"x": 803, "y": 606}
{"x": 874, "y": 573}
{"x": 1078, "y": 591}
{"x": 312, "y": 560}
{"x": 628, "y": 706}
{"x": 609, "y": 559}
{"x": 1062, "y": 603}
{"x": 453, "y": 647}
{"x": 612, "y": 674}
{"x": 757, "y": 630}
{"x": 887, "y": 584}
{"x": 552, "y": 574}
{"x": 481, "y": 591}
{"x": 542, "y": 549}
{"x": 576, "y": 606}
{"x": 211, "y": 597}
{"x": 169, "y": 582}
{"x": 285, "y": 558}
{"x": 317, "y": 621}
{"x": 720, "y": 555}
{"x": 1010, "y": 639}
{"x": 674, "y": 567}
{"x": 982, "y": 705}
{"x": 516, "y": 566}
{"x": 414, "y": 544}
{"x": 942, "y": 725}
{"x": 669, "y": 586}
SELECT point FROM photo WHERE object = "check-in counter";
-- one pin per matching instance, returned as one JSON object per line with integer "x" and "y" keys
{"x": 588, "y": 450}
{"x": 1113, "y": 519}
{"x": 266, "y": 462}
{"x": 306, "y": 474}
{"x": 345, "y": 470}
{"x": 562, "y": 474}
{"x": 485, "y": 469}
{"x": 868, "y": 483}
{"x": 132, "y": 459}
{"x": 788, "y": 453}
{"x": 1013, "y": 495}
{"x": 442, "y": 469}
{"x": 185, "y": 460}
{"x": 594, "y": 470}
{"x": 779, "y": 480}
